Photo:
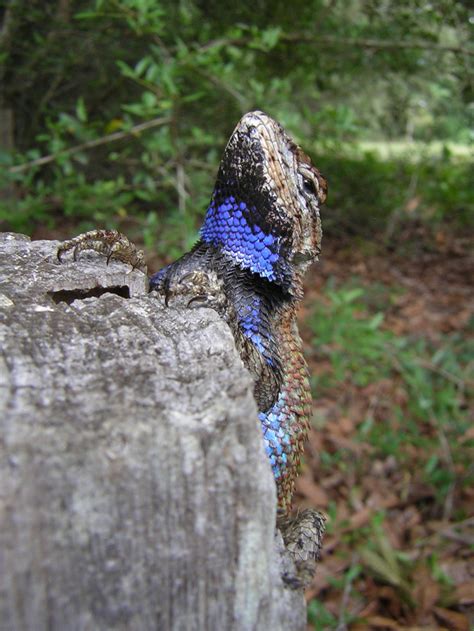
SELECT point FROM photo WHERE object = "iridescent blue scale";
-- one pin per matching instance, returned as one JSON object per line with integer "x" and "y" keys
{"x": 253, "y": 327}
{"x": 228, "y": 227}
{"x": 276, "y": 435}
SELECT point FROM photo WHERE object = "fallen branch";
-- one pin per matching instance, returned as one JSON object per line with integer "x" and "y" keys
{"x": 90, "y": 144}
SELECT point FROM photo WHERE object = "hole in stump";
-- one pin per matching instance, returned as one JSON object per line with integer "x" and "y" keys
{"x": 69, "y": 295}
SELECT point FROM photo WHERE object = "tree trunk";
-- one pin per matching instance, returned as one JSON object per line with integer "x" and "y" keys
{"x": 135, "y": 490}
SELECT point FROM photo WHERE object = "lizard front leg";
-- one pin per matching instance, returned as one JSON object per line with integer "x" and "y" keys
{"x": 202, "y": 288}
{"x": 110, "y": 243}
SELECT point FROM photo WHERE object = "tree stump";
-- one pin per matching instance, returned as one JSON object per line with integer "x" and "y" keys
{"x": 135, "y": 490}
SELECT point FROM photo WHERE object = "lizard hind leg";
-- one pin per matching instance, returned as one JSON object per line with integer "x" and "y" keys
{"x": 303, "y": 535}
{"x": 110, "y": 243}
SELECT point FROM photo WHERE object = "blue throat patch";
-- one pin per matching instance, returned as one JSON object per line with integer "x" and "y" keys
{"x": 226, "y": 226}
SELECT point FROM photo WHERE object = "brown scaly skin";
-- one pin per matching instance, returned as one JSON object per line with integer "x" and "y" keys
{"x": 261, "y": 232}
{"x": 296, "y": 383}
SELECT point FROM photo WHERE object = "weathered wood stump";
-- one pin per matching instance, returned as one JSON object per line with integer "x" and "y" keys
{"x": 135, "y": 492}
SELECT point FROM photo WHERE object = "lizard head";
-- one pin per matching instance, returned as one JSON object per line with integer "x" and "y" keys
{"x": 264, "y": 212}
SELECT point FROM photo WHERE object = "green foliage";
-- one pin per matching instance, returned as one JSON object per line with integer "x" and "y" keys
{"x": 90, "y": 72}
{"x": 319, "y": 617}
{"x": 435, "y": 378}
{"x": 370, "y": 193}
{"x": 383, "y": 561}
{"x": 357, "y": 346}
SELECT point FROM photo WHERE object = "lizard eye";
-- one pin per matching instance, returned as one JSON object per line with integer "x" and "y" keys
{"x": 309, "y": 186}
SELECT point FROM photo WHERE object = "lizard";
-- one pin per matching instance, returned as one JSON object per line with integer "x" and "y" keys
{"x": 261, "y": 232}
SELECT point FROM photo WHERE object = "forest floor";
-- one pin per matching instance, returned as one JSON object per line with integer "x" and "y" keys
{"x": 389, "y": 340}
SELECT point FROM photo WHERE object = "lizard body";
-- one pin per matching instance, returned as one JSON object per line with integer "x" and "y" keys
{"x": 261, "y": 231}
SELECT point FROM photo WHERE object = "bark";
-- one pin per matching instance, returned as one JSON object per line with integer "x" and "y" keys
{"x": 135, "y": 490}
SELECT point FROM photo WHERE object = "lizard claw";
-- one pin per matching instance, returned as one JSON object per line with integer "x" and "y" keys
{"x": 198, "y": 301}
{"x": 110, "y": 243}
{"x": 204, "y": 289}
{"x": 167, "y": 292}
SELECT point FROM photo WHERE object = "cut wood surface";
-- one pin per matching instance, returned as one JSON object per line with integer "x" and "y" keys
{"x": 135, "y": 490}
